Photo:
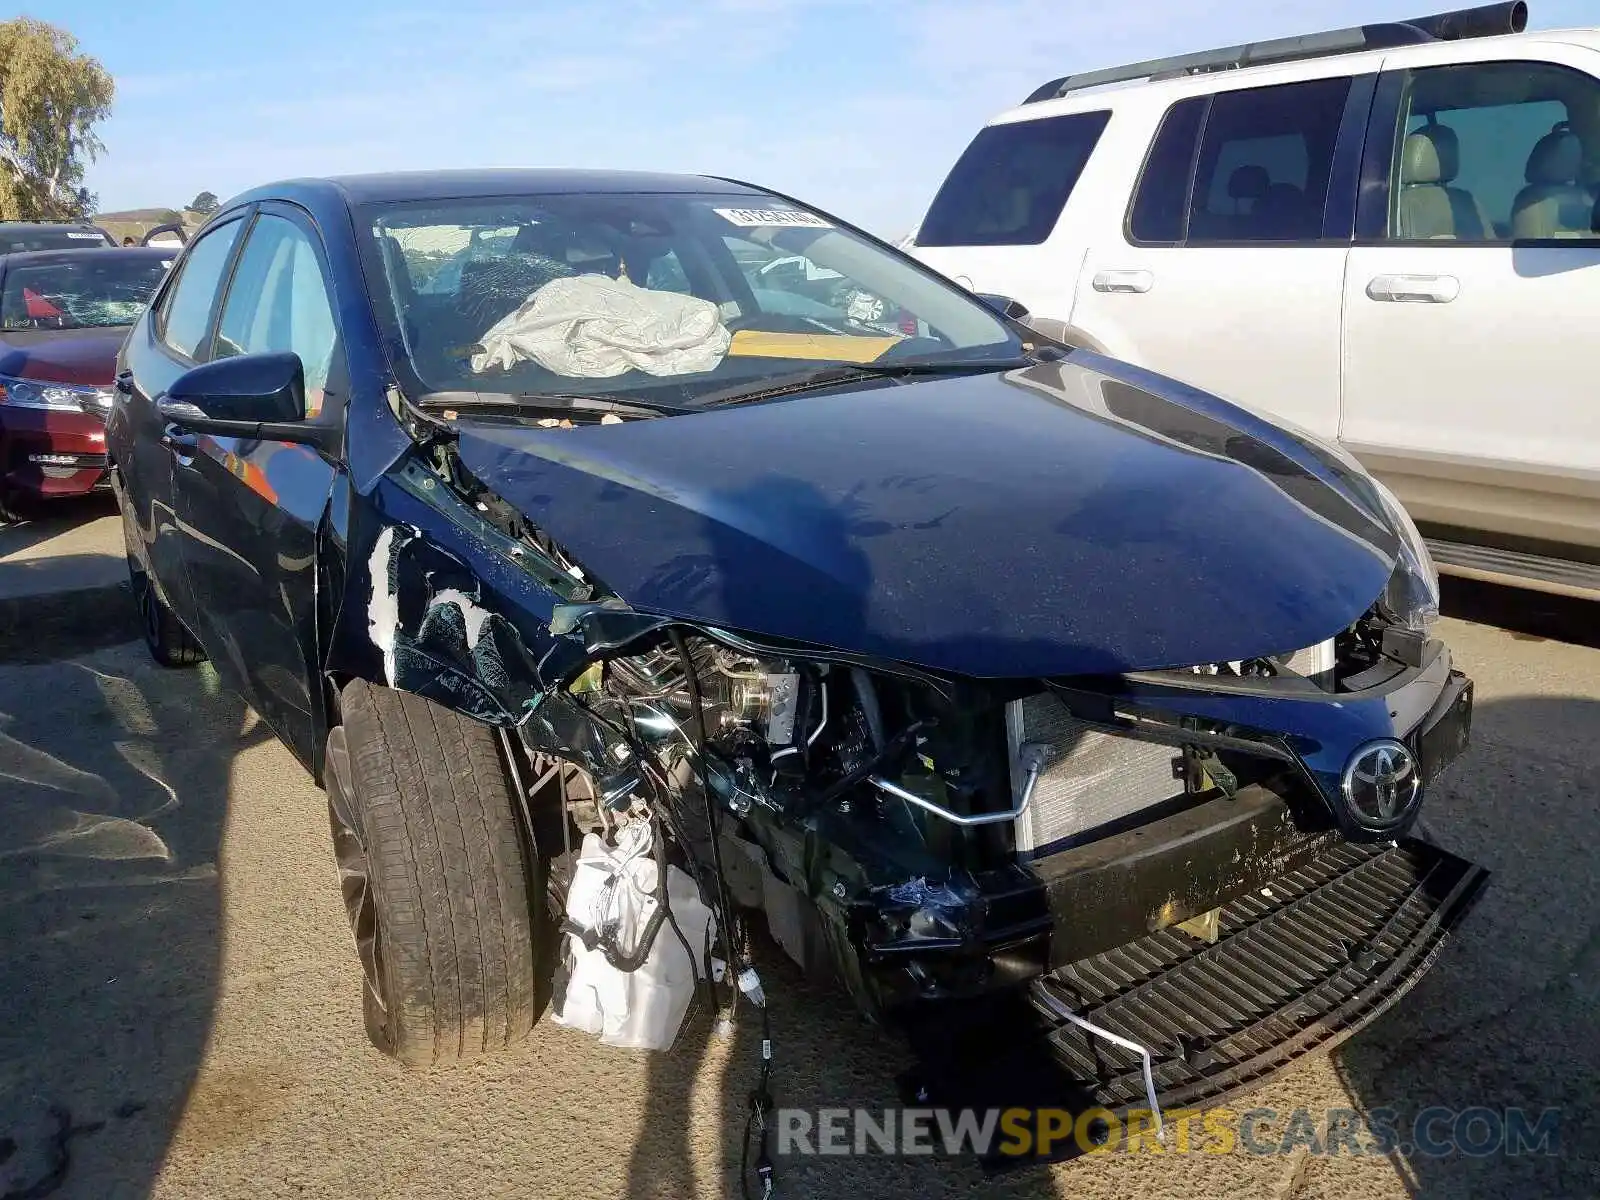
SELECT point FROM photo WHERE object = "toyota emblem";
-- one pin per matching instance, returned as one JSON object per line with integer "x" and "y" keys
{"x": 1382, "y": 784}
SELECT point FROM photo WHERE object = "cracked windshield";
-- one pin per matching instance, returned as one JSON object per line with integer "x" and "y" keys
{"x": 667, "y": 298}
{"x": 83, "y": 294}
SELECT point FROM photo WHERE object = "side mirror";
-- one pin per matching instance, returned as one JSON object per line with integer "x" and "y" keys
{"x": 260, "y": 396}
{"x": 1004, "y": 305}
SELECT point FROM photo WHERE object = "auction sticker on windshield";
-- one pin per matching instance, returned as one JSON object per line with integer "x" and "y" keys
{"x": 755, "y": 218}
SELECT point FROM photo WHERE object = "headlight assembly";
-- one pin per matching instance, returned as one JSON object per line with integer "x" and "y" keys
{"x": 1411, "y": 597}
{"x": 39, "y": 393}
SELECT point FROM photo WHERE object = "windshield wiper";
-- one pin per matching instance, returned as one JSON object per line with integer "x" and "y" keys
{"x": 548, "y": 402}
{"x": 845, "y": 373}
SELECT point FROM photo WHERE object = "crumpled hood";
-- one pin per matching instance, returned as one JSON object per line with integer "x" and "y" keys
{"x": 1074, "y": 517}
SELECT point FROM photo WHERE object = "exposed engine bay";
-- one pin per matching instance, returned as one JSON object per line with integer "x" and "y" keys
{"x": 828, "y": 784}
{"x": 885, "y": 822}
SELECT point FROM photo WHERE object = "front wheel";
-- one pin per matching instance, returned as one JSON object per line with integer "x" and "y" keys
{"x": 438, "y": 876}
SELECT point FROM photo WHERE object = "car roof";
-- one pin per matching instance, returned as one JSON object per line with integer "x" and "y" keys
{"x": 35, "y": 258}
{"x": 7, "y": 226}
{"x": 1480, "y": 49}
{"x": 397, "y": 186}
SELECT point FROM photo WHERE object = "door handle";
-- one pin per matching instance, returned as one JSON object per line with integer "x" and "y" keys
{"x": 1123, "y": 281}
{"x": 1414, "y": 289}
{"x": 183, "y": 444}
{"x": 125, "y": 382}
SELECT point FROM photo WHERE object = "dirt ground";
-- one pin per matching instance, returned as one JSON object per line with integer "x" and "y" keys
{"x": 181, "y": 1005}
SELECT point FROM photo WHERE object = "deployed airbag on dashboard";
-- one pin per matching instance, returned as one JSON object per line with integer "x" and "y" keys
{"x": 594, "y": 327}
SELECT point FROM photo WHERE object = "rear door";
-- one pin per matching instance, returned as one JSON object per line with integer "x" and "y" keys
{"x": 168, "y": 342}
{"x": 1229, "y": 270}
{"x": 252, "y": 509}
{"x": 1471, "y": 298}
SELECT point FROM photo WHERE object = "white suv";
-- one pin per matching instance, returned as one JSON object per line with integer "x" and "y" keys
{"x": 1387, "y": 235}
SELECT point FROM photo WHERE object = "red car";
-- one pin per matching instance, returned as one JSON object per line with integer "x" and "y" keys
{"x": 63, "y": 315}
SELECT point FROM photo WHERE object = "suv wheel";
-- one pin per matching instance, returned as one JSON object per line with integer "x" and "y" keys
{"x": 438, "y": 877}
{"x": 170, "y": 644}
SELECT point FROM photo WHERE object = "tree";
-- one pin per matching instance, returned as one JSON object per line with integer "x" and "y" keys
{"x": 205, "y": 204}
{"x": 51, "y": 99}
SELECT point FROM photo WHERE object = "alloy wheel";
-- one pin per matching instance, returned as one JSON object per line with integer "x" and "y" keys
{"x": 355, "y": 872}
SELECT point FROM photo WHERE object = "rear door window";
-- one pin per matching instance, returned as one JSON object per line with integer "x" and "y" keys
{"x": 1009, "y": 187}
{"x": 1161, "y": 201}
{"x": 1265, "y": 162}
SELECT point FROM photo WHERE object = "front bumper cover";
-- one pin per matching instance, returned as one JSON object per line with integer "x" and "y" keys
{"x": 1316, "y": 934}
{"x": 46, "y": 453}
{"x": 1299, "y": 965}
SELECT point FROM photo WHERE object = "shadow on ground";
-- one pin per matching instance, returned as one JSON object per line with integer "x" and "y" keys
{"x": 38, "y": 628}
{"x": 41, "y": 522}
{"x": 825, "y": 1057}
{"x": 67, "y": 598}
{"x": 1528, "y": 615}
{"x": 113, "y": 779}
{"x": 1507, "y": 1018}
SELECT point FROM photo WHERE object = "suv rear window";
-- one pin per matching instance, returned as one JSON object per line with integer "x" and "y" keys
{"x": 1265, "y": 163}
{"x": 1160, "y": 211}
{"x": 1240, "y": 167}
{"x": 1010, "y": 185}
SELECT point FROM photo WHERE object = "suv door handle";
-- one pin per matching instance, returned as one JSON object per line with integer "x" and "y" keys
{"x": 1414, "y": 289}
{"x": 1123, "y": 281}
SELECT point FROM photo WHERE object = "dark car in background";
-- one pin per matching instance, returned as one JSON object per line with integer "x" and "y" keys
{"x": 63, "y": 314}
{"x": 1002, "y": 677}
{"x": 16, "y": 237}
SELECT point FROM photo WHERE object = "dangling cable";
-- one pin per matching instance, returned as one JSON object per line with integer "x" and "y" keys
{"x": 713, "y": 812}
{"x": 744, "y": 974}
{"x": 757, "y": 1122}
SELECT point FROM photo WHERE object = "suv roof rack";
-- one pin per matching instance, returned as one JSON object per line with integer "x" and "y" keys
{"x": 1489, "y": 20}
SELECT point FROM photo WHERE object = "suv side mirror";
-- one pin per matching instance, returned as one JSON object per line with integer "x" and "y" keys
{"x": 259, "y": 396}
{"x": 1004, "y": 305}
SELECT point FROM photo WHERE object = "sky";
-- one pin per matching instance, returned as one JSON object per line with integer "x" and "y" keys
{"x": 856, "y": 106}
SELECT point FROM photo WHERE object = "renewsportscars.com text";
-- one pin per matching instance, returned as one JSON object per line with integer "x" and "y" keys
{"x": 1052, "y": 1132}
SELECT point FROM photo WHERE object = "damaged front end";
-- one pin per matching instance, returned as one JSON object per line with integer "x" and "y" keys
{"x": 929, "y": 838}
{"x": 1111, "y": 850}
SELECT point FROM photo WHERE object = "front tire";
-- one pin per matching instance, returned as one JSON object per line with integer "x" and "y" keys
{"x": 438, "y": 876}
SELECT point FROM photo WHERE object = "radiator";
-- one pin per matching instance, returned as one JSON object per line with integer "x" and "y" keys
{"x": 1090, "y": 777}
{"x": 1314, "y": 662}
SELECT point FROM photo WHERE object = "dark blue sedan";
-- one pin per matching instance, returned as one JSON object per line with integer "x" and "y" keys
{"x": 553, "y": 538}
